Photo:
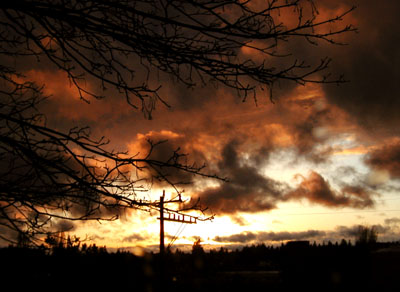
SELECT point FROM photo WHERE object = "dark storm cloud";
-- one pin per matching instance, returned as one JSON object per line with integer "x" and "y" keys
{"x": 304, "y": 129}
{"x": 386, "y": 157}
{"x": 318, "y": 190}
{"x": 371, "y": 62}
{"x": 247, "y": 190}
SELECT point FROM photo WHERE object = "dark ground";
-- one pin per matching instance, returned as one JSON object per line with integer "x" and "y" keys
{"x": 294, "y": 266}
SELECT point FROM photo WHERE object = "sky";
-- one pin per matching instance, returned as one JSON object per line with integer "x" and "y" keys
{"x": 313, "y": 165}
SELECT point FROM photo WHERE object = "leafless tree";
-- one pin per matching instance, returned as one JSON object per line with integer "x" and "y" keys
{"x": 366, "y": 235}
{"x": 46, "y": 173}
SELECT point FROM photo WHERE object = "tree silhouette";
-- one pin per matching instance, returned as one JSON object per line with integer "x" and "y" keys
{"x": 46, "y": 173}
{"x": 197, "y": 248}
{"x": 366, "y": 235}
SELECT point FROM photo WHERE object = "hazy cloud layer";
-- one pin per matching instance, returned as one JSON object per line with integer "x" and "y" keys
{"x": 385, "y": 233}
{"x": 394, "y": 220}
{"x": 247, "y": 237}
{"x": 133, "y": 238}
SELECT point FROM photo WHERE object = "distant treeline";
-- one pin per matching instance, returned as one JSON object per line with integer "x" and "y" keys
{"x": 293, "y": 264}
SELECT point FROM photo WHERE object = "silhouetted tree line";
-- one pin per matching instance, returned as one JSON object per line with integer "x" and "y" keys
{"x": 74, "y": 267}
{"x": 295, "y": 264}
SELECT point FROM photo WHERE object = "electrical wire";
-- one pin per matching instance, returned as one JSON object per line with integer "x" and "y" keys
{"x": 177, "y": 234}
{"x": 344, "y": 212}
{"x": 173, "y": 239}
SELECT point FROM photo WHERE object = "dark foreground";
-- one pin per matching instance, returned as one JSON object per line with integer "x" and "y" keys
{"x": 295, "y": 266}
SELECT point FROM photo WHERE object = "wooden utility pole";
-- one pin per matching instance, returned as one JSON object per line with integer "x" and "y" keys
{"x": 169, "y": 216}
{"x": 162, "y": 246}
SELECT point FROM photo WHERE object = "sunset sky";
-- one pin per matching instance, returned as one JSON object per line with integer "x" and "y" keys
{"x": 314, "y": 164}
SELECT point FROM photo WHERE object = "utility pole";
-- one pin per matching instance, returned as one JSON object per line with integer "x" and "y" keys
{"x": 174, "y": 216}
{"x": 167, "y": 214}
{"x": 171, "y": 216}
{"x": 162, "y": 246}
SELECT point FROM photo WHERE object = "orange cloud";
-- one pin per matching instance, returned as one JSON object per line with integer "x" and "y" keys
{"x": 56, "y": 83}
{"x": 316, "y": 189}
{"x": 65, "y": 102}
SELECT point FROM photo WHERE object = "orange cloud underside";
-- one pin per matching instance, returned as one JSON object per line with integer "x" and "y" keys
{"x": 65, "y": 100}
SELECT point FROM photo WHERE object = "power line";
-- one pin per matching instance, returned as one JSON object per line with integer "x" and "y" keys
{"x": 389, "y": 199}
{"x": 345, "y": 212}
{"x": 177, "y": 234}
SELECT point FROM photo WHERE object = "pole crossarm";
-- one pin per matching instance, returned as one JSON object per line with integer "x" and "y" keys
{"x": 179, "y": 218}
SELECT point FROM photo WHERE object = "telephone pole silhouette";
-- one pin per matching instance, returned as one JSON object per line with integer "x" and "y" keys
{"x": 174, "y": 216}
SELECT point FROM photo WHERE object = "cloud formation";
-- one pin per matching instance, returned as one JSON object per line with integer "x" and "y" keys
{"x": 247, "y": 190}
{"x": 386, "y": 158}
{"x": 317, "y": 190}
{"x": 394, "y": 221}
{"x": 248, "y": 237}
{"x": 371, "y": 64}
{"x": 385, "y": 232}
{"x": 133, "y": 238}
